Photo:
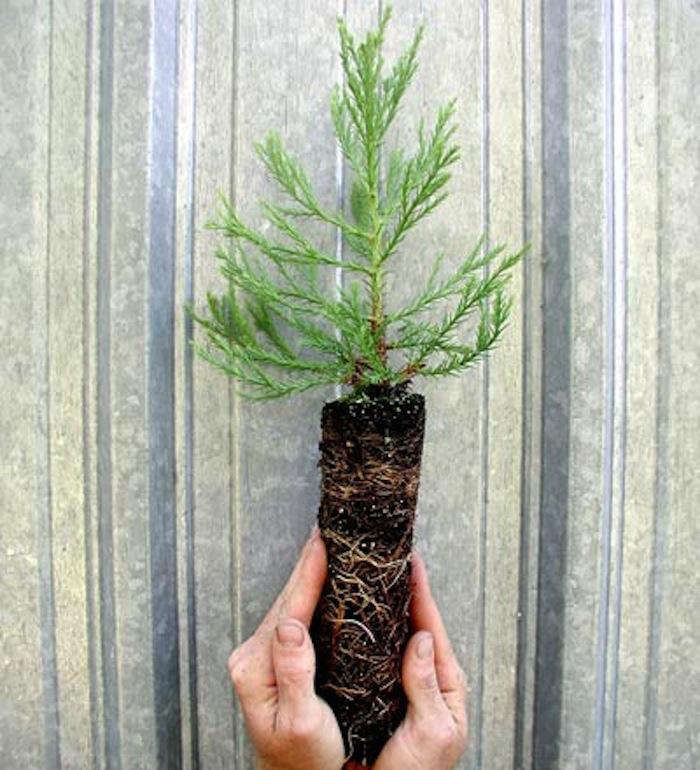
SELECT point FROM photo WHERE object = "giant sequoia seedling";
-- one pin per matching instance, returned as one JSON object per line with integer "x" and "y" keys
{"x": 281, "y": 329}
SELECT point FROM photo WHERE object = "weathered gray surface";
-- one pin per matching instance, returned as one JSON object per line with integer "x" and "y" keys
{"x": 149, "y": 517}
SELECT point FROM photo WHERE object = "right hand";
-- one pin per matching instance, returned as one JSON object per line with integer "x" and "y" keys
{"x": 433, "y": 735}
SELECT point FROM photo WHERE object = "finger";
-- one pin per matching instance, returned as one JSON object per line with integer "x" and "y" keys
{"x": 300, "y": 595}
{"x": 294, "y": 663}
{"x": 425, "y": 616}
{"x": 419, "y": 679}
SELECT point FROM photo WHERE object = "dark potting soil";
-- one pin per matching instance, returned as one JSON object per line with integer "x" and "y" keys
{"x": 370, "y": 469}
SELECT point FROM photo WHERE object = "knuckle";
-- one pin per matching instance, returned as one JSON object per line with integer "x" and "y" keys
{"x": 238, "y": 654}
{"x": 238, "y": 675}
{"x": 238, "y": 669}
{"x": 238, "y": 663}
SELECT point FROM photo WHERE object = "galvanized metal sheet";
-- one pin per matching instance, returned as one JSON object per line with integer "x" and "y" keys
{"x": 149, "y": 515}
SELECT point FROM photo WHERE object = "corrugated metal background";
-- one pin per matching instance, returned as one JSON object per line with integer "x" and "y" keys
{"x": 149, "y": 518}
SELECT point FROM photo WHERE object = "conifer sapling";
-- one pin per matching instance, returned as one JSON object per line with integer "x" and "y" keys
{"x": 281, "y": 329}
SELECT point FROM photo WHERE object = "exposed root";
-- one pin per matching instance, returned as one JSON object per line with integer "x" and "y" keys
{"x": 357, "y": 623}
{"x": 370, "y": 461}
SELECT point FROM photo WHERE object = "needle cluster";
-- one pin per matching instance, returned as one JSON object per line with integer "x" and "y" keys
{"x": 282, "y": 327}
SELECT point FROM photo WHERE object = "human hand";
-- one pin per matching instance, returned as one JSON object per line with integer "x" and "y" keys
{"x": 434, "y": 733}
{"x": 273, "y": 673}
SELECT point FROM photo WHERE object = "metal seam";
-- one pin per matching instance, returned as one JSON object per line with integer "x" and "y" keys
{"x": 656, "y": 583}
{"x": 235, "y": 415}
{"x": 110, "y": 678}
{"x": 620, "y": 392}
{"x": 526, "y": 396}
{"x": 88, "y": 449}
{"x": 161, "y": 172}
{"x": 609, "y": 374}
{"x": 47, "y": 603}
{"x": 484, "y": 401}
{"x": 188, "y": 399}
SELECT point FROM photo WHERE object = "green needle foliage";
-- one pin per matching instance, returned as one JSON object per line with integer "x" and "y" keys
{"x": 278, "y": 330}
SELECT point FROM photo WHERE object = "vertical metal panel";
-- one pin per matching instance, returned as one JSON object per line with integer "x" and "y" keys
{"x": 161, "y": 386}
{"x": 66, "y": 188}
{"x": 631, "y": 726}
{"x": 504, "y": 219}
{"x": 589, "y": 375}
{"x": 214, "y": 516}
{"x": 128, "y": 374}
{"x": 183, "y": 402}
{"x": 28, "y": 716}
{"x": 556, "y": 333}
{"x": 43, "y": 446}
{"x": 532, "y": 386}
{"x": 675, "y": 696}
{"x": 92, "y": 342}
{"x": 111, "y": 752}
{"x": 615, "y": 277}
{"x": 149, "y": 516}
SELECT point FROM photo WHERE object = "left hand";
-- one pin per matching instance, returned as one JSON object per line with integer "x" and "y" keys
{"x": 273, "y": 673}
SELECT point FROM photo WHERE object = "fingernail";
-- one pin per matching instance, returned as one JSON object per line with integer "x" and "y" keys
{"x": 290, "y": 634}
{"x": 425, "y": 645}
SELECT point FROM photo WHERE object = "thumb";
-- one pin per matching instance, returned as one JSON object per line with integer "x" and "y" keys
{"x": 419, "y": 678}
{"x": 294, "y": 662}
